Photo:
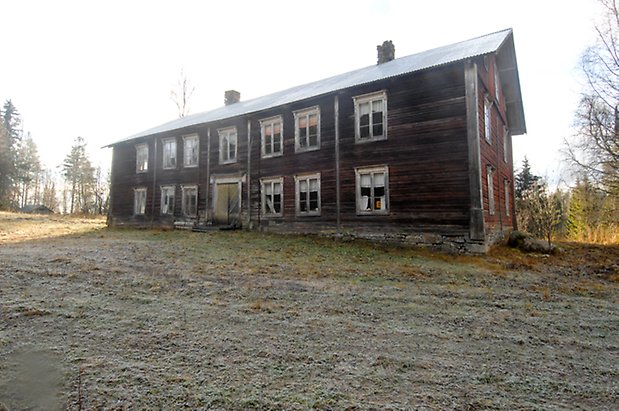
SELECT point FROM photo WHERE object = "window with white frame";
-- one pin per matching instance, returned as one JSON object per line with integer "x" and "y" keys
{"x": 507, "y": 190}
{"x": 505, "y": 144}
{"x": 139, "y": 201}
{"x": 191, "y": 150}
{"x": 227, "y": 145}
{"x": 167, "y": 200}
{"x": 272, "y": 131}
{"x": 488, "y": 120}
{"x": 307, "y": 189}
{"x": 372, "y": 186}
{"x": 190, "y": 200}
{"x": 497, "y": 84}
{"x": 272, "y": 190}
{"x": 307, "y": 129}
{"x": 490, "y": 183}
{"x": 169, "y": 153}
{"x": 371, "y": 117}
{"x": 141, "y": 158}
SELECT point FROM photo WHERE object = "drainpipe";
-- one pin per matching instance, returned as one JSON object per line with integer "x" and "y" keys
{"x": 208, "y": 171}
{"x": 336, "y": 105}
{"x": 248, "y": 172}
{"x": 152, "y": 208}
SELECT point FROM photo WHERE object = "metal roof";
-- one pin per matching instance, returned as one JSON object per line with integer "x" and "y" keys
{"x": 489, "y": 43}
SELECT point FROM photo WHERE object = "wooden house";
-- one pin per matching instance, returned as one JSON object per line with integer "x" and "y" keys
{"x": 415, "y": 149}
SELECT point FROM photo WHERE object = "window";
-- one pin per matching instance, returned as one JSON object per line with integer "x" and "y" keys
{"x": 307, "y": 129}
{"x": 141, "y": 158}
{"x": 191, "y": 150}
{"x": 190, "y": 200}
{"x": 307, "y": 194}
{"x": 507, "y": 192}
{"x": 272, "y": 196}
{"x": 497, "y": 84}
{"x": 372, "y": 186}
{"x": 227, "y": 145}
{"x": 487, "y": 121}
{"x": 272, "y": 132}
{"x": 490, "y": 181}
{"x": 169, "y": 153}
{"x": 167, "y": 200}
{"x": 139, "y": 201}
{"x": 371, "y": 117}
{"x": 505, "y": 144}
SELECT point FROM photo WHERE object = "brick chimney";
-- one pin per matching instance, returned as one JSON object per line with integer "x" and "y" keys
{"x": 386, "y": 52}
{"x": 231, "y": 97}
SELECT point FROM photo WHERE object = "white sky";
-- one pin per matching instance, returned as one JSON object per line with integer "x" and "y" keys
{"x": 104, "y": 70}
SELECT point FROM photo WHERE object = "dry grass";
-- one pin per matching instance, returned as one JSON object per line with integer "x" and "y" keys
{"x": 127, "y": 319}
{"x": 18, "y": 227}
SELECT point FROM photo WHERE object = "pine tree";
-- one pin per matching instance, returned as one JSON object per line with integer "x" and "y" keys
{"x": 79, "y": 174}
{"x": 525, "y": 179}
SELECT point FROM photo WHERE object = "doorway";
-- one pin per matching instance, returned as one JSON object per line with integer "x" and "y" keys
{"x": 227, "y": 204}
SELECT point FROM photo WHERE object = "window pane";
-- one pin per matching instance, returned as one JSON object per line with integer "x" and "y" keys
{"x": 313, "y": 184}
{"x": 303, "y": 201}
{"x": 277, "y": 188}
{"x": 277, "y": 203}
{"x": 365, "y": 180}
{"x": 313, "y": 120}
{"x": 303, "y": 186}
{"x": 379, "y": 179}
{"x": 364, "y": 109}
{"x": 268, "y": 189}
{"x": 377, "y": 106}
{"x": 303, "y": 122}
{"x": 313, "y": 200}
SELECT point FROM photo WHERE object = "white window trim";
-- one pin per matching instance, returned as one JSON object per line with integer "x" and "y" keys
{"x": 221, "y": 132}
{"x": 497, "y": 84}
{"x": 305, "y": 112}
{"x": 271, "y": 121}
{"x": 163, "y": 189}
{"x": 365, "y": 170}
{"x": 297, "y": 197}
{"x": 490, "y": 184}
{"x": 505, "y": 144}
{"x": 507, "y": 189}
{"x": 488, "y": 120}
{"x": 197, "y": 139}
{"x": 163, "y": 162}
{"x": 380, "y": 95}
{"x": 138, "y": 147}
{"x": 135, "y": 200}
{"x": 183, "y": 203}
{"x": 263, "y": 208}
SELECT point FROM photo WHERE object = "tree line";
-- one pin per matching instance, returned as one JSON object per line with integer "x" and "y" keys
{"x": 74, "y": 186}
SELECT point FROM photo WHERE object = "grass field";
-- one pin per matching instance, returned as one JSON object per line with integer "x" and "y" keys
{"x": 96, "y": 318}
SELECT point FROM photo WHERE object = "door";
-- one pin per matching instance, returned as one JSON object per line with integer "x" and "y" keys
{"x": 227, "y": 204}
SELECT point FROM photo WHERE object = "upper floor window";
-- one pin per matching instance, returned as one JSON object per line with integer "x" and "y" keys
{"x": 505, "y": 144}
{"x": 139, "y": 201}
{"x": 307, "y": 188}
{"x": 167, "y": 200}
{"x": 227, "y": 145}
{"x": 272, "y": 134}
{"x": 490, "y": 183}
{"x": 488, "y": 121}
{"x": 190, "y": 200}
{"x": 497, "y": 84}
{"x": 307, "y": 129}
{"x": 141, "y": 158}
{"x": 169, "y": 153}
{"x": 191, "y": 149}
{"x": 272, "y": 196}
{"x": 372, "y": 186}
{"x": 371, "y": 117}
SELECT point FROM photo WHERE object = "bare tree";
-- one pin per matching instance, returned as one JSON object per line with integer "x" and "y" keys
{"x": 182, "y": 94}
{"x": 594, "y": 150}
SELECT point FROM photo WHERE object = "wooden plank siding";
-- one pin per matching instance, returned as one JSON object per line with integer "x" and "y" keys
{"x": 426, "y": 152}
{"x": 492, "y": 153}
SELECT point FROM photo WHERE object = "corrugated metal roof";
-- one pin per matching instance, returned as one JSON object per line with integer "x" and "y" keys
{"x": 443, "y": 55}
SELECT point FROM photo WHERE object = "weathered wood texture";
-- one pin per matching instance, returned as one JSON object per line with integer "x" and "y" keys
{"x": 426, "y": 152}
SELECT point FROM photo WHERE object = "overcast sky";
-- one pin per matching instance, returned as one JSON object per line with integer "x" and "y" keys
{"x": 104, "y": 70}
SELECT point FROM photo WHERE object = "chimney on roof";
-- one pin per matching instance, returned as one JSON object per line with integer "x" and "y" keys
{"x": 231, "y": 97}
{"x": 386, "y": 52}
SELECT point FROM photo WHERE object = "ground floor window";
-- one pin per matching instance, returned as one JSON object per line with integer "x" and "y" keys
{"x": 139, "y": 201}
{"x": 372, "y": 186}
{"x": 167, "y": 200}
{"x": 272, "y": 196}
{"x": 307, "y": 189}
{"x": 190, "y": 200}
{"x": 490, "y": 183}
